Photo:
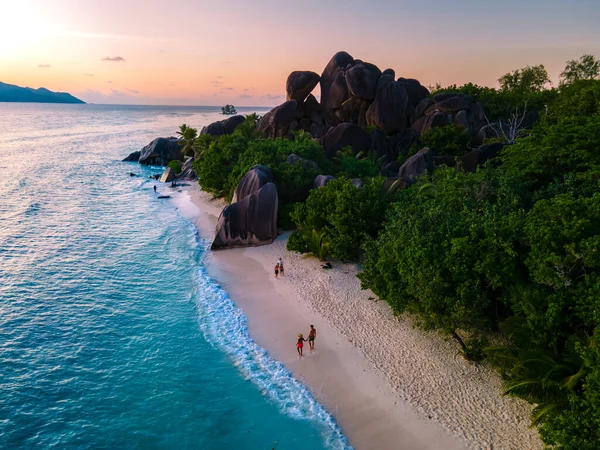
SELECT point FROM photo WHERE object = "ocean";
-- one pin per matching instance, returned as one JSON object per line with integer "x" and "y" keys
{"x": 112, "y": 334}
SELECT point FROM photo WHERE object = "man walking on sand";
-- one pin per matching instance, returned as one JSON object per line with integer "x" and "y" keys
{"x": 312, "y": 335}
{"x": 280, "y": 262}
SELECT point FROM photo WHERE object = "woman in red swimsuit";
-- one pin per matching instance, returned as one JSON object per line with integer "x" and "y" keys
{"x": 300, "y": 344}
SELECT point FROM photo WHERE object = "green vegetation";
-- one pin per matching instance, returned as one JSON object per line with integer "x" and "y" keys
{"x": 526, "y": 80}
{"x": 337, "y": 216}
{"x": 585, "y": 68}
{"x": 447, "y": 140}
{"x": 175, "y": 165}
{"x": 187, "y": 136}
{"x": 511, "y": 250}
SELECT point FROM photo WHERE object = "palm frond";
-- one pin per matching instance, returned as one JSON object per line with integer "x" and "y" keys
{"x": 540, "y": 412}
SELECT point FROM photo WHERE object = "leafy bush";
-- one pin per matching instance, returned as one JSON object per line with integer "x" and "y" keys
{"x": 214, "y": 165}
{"x": 447, "y": 140}
{"x": 358, "y": 166}
{"x": 175, "y": 165}
{"x": 340, "y": 215}
{"x": 446, "y": 250}
{"x": 501, "y": 103}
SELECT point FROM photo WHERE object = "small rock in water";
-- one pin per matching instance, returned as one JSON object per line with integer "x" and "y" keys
{"x": 131, "y": 174}
{"x": 164, "y": 196}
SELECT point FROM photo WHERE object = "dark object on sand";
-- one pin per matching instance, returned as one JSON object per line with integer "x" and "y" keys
{"x": 164, "y": 196}
{"x": 327, "y": 265}
{"x": 131, "y": 174}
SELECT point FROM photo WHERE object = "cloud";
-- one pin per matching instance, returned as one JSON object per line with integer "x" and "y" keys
{"x": 109, "y": 82}
{"x": 132, "y": 91}
{"x": 251, "y": 89}
{"x": 113, "y": 59}
{"x": 272, "y": 97}
{"x": 246, "y": 96}
{"x": 117, "y": 93}
{"x": 43, "y": 66}
{"x": 88, "y": 74}
{"x": 216, "y": 83}
{"x": 228, "y": 89}
{"x": 220, "y": 76}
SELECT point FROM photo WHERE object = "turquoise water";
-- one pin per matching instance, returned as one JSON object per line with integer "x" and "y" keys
{"x": 112, "y": 335}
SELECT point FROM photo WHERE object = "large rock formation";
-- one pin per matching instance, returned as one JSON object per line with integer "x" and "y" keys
{"x": 479, "y": 156}
{"x": 322, "y": 180}
{"x": 448, "y": 108}
{"x": 426, "y": 123}
{"x": 250, "y": 221}
{"x": 299, "y": 84}
{"x": 306, "y": 163}
{"x": 361, "y": 80}
{"x": 345, "y": 135}
{"x": 276, "y": 123}
{"x": 334, "y": 90}
{"x": 416, "y": 165}
{"x": 254, "y": 179}
{"x": 388, "y": 111}
{"x": 169, "y": 175}
{"x": 161, "y": 151}
{"x": 222, "y": 127}
{"x": 187, "y": 171}
{"x": 135, "y": 156}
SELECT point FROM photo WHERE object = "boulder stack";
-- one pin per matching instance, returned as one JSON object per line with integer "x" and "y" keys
{"x": 251, "y": 219}
{"x": 359, "y": 93}
{"x": 159, "y": 152}
{"x": 222, "y": 127}
{"x": 278, "y": 122}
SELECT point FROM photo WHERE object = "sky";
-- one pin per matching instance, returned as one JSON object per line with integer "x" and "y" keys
{"x": 197, "y": 52}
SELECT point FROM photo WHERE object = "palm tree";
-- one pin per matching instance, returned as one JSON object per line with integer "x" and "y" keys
{"x": 248, "y": 127}
{"x": 187, "y": 139}
{"x": 316, "y": 242}
{"x": 201, "y": 144}
{"x": 543, "y": 378}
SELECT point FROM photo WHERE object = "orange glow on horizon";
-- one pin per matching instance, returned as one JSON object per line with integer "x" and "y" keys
{"x": 199, "y": 52}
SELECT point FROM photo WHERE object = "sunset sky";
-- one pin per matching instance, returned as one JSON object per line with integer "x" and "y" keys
{"x": 195, "y": 52}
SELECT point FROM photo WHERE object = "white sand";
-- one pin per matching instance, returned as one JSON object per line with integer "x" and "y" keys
{"x": 389, "y": 385}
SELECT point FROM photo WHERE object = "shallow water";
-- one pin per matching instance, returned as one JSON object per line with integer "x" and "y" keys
{"x": 112, "y": 335}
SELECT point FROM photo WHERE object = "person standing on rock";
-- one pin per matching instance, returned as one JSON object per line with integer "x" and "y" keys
{"x": 276, "y": 270}
{"x": 312, "y": 335}
{"x": 280, "y": 262}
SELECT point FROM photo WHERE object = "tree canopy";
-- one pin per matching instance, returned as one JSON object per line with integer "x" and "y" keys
{"x": 587, "y": 67}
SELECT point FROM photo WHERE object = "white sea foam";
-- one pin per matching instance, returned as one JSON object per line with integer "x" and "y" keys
{"x": 224, "y": 326}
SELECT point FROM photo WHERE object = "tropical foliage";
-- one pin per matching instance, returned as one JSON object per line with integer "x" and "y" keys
{"x": 511, "y": 250}
{"x": 175, "y": 165}
{"x": 338, "y": 216}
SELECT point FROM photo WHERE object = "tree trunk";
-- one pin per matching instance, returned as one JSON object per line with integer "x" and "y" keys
{"x": 459, "y": 339}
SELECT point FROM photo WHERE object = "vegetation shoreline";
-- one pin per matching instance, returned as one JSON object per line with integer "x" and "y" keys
{"x": 502, "y": 238}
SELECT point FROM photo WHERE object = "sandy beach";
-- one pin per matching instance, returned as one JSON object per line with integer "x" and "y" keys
{"x": 388, "y": 384}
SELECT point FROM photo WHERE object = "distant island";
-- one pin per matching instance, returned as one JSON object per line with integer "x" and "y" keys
{"x": 12, "y": 93}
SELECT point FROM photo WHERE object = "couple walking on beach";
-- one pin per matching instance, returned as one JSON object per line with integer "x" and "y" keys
{"x": 312, "y": 335}
{"x": 279, "y": 268}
